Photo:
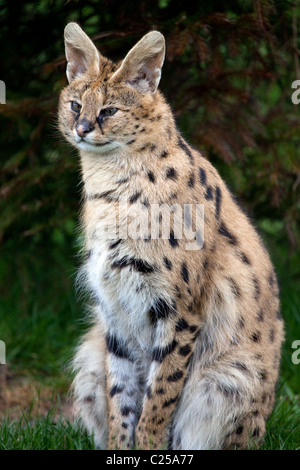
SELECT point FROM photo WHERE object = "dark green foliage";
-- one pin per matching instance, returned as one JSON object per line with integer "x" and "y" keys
{"x": 228, "y": 75}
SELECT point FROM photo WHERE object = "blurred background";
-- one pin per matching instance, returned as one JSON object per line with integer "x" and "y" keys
{"x": 228, "y": 76}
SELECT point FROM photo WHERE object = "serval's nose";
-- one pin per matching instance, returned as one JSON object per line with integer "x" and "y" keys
{"x": 83, "y": 127}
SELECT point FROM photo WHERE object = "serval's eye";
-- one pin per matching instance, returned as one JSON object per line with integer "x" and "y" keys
{"x": 75, "y": 106}
{"x": 108, "y": 111}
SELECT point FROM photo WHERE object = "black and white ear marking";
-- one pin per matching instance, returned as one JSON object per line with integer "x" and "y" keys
{"x": 81, "y": 53}
{"x": 141, "y": 68}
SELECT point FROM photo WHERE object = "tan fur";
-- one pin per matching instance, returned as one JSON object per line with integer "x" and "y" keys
{"x": 185, "y": 346}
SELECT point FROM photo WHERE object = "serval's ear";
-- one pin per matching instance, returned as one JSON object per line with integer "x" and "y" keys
{"x": 141, "y": 68}
{"x": 81, "y": 53}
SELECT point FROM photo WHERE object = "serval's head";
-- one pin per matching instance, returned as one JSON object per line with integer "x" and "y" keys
{"x": 108, "y": 106}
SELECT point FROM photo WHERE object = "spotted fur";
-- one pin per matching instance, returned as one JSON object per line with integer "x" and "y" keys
{"x": 185, "y": 346}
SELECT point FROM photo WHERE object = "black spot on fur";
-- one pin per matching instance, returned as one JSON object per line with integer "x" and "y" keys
{"x": 185, "y": 273}
{"x": 256, "y": 337}
{"x": 164, "y": 154}
{"x": 114, "y": 244}
{"x": 181, "y": 325}
{"x": 209, "y": 193}
{"x": 239, "y": 430}
{"x": 172, "y": 240}
{"x": 186, "y": 149}
{"x": 107, "y": 195}
{"x": 225, "y": 233}
{"x": 170, "y": 402}
{"x": 240, "y": 365}
{"x": 175, "y": 377}
{"x": 234, "y": 287}
{"x": 134, "y": 197}
{"x": 256, "y": 288}
{"x": 185, "y": 350}
{"x": 159, "y": 354}
{"x": 167, "y": 263}
{"x": 116, "y": 347}
{"x": 245, "y": 259}
{"x": 191, "y": 181}
{"x": 124, "y": 425}
{"x": 125, "y": 410}
{"x": 218, "y": 201}
{"x": 272, "y": 335}
{"x": 260, "y": 316}
{"x": 171, "y": 173}
{"x": 149, "y": 392}
{"x": 116, "y": 389}
{"x": 178, "y": 292}
{"x": 137, "y": 264}
{"x": 151, "y": 176}
{"x": 160, "y": 310}
{"x": 205, "y": 264}
{"x": 202, "y": 176}
{"x": 193, "y": 328}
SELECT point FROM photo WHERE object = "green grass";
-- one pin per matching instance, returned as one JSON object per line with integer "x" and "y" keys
{"x": 283, "y": 427}
{"x": 43, "y": 433}
{"x": 41, "y": 321}
{"x": 47, "y": 433}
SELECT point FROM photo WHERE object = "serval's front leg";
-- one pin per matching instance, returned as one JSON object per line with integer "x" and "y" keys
{"x": 123, "y": 391}
{"x": 172, "y": 349}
